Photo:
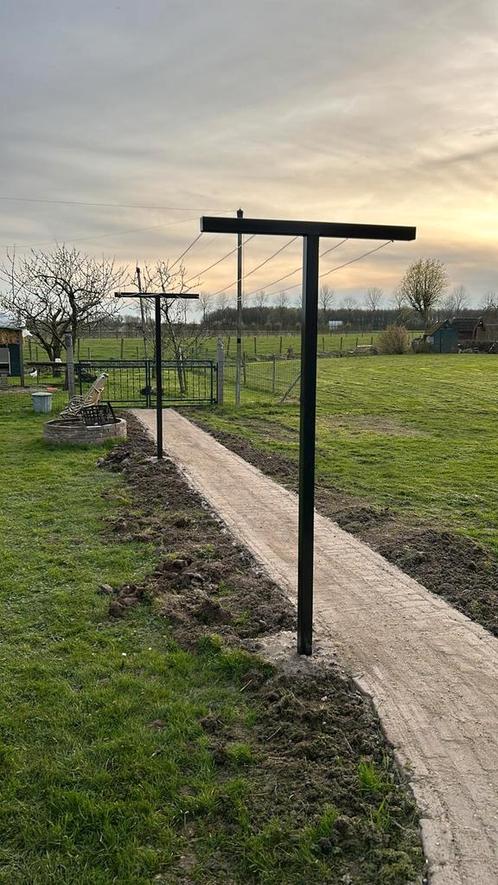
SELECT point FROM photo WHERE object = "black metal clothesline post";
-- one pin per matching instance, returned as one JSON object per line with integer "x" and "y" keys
{"x": 311, "y": 231}
{"x": 159, "y": 357}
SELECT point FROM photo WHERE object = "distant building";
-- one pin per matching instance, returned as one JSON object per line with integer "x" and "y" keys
{"x": 459, "y": 333}
{"x": 11, "y": 335}
{"x": 336, "y": 324}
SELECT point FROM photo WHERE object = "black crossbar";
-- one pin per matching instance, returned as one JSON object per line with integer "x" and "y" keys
{"x": 284, "y": 228}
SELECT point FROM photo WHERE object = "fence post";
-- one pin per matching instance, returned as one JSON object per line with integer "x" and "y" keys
{"x": 220, "y": 361}
{"x": 273, "y": 373}
{"x": 68, "y": 340}
{"x": 280, "y": 344}
{"x": 255, "y": 346}
{"x": 122, "y": 348}
{"x": 244, "y": 376}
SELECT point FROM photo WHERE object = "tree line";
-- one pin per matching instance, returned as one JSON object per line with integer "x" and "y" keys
{"x": 64, "y": 290}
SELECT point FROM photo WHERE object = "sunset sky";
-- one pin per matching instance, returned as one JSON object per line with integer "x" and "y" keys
{"x": 360, "y": 111}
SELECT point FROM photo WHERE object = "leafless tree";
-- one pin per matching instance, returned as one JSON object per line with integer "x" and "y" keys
{"x": 373, "y": 297}
{"x": 261, "y": 298}
{"x": 57, "y": 292}
{"x": 180, "y": 336}
{"x": 456, "y": 302}
{"x": 281, "y": 299}
{"x": 326, "y": 299}
{"x": 489, "y": 303}
{"x": 402, "y": 307}
{"x": 204, "y": 304}
{"x": 222, "y": 301}
{"x": 423, "y": 285}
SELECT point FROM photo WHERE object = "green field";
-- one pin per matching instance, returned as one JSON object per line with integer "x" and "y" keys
{"x": 416, "y": 433}
{"x": 257, "y": 344}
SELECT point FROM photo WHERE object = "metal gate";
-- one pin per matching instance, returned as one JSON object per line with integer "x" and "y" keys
{"x": 133, "y": 382}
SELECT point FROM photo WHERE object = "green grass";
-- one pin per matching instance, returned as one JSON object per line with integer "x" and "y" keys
{"x": 416, "y": 433}
{"x": 258, "y": 344}
{"x": 107, "y": 775}
{"x": 90, "y": 792}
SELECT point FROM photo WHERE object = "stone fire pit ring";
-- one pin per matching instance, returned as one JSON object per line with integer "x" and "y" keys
{"x": 78, "y": 434}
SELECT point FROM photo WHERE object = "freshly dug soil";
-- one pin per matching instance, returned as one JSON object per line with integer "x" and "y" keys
{"x": 456, "y": 568}
{"x": 322, "y": 778}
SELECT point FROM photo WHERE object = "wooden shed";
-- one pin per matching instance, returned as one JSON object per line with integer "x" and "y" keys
{"x": 11, "y": 356}
{"x": 442, "y": 338}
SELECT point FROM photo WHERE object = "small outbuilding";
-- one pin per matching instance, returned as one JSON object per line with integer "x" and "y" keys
{"x": 11, "y": 356}
{"x": 442, "y": 338}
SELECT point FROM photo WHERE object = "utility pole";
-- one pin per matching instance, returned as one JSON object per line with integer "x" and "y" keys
{"x": 238, "y": 368}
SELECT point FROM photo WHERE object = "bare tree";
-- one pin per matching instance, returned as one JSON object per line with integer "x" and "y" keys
{"x": 222, "y": 301}
{"x": 489, "y": 303}
{"x": 373, "y": 297}
{"x": 57, "y": 292}
{"x": 180, "y": 336}
{"x": 204, "y": 304}
{"x": 326, "y": 298}
{"x": 456, "y": 302}
{"x": 423, "y": 285}
{"x": 402, "y": 307}
{"x": 261, "y": 298}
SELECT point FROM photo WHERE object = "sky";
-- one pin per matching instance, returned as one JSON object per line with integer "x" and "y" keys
{"x": 357, "y": 111}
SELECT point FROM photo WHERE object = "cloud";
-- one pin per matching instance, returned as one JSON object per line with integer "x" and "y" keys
{"x": 365, "y": 111}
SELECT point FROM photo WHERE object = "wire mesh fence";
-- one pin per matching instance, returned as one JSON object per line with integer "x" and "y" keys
{"x": 266, "y": 379}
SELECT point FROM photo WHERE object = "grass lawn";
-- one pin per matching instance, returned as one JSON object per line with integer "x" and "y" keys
{"x": 257, "y": 344}
{"x": 416, "y": 433}
{"x": 92, "y": 792}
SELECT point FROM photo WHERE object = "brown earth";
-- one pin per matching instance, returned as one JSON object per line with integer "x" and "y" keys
{"x": 456, "y": 568}
{"x": 323, "y": 779}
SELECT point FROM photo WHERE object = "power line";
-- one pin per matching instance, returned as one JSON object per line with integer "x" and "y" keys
{"x": 215, "y": 263}
{"x": 254, "y": 269}
{"x": 347, "y": 263}
{"x": 189, "y": 247}
{"x": 106, "y": 205}
{"x": 134, "y": 230}
{"x": 296, "y": 270}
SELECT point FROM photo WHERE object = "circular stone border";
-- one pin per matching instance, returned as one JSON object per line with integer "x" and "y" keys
{"x": 60, "y": 433}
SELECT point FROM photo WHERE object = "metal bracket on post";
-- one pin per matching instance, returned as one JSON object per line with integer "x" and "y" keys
{"x": 220, "y": 362}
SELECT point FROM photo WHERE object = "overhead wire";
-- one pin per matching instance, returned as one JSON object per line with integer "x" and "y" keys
{"x": 254, "y": 269}
{"x": 107, "y": 205}
{"x": 189, "y": 247}
{"x": 296, "y": 270}
{"x": 215, "y": 263}
{"x": 347, "y": 263}
{"x": 102, "y": 236}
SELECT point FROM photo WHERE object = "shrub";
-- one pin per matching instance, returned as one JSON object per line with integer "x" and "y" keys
{"x": 394, "y": 339}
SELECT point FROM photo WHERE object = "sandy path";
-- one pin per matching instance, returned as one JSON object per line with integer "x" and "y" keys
{"x": 431, "y": 672}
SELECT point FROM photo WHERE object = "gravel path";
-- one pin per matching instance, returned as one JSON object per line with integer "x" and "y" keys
{"x": 431, "y": 672}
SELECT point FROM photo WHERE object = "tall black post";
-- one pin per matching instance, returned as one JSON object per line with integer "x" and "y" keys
{"x": 307, "y": 446}
{"x": 159, "y": 379}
